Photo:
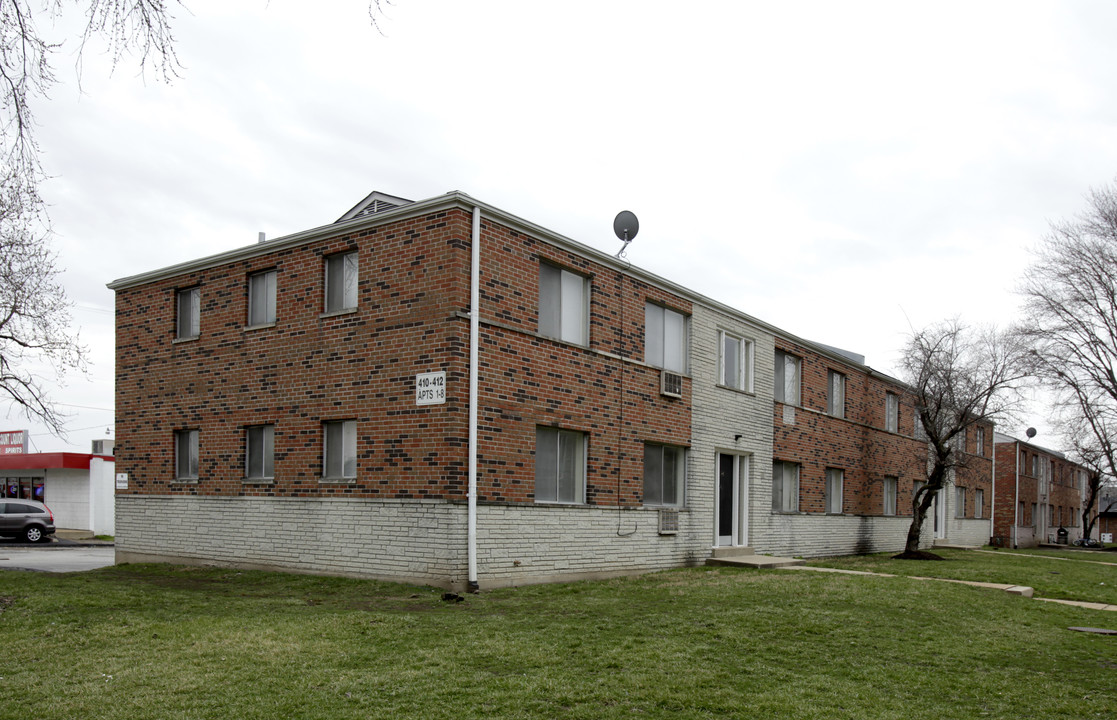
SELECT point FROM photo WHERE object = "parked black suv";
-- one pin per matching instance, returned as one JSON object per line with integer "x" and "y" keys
{"x": 27, "y": 519}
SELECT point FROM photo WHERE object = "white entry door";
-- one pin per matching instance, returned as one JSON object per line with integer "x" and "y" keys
{"x": 940, "y": 516}
{"x": 731, "y": 517}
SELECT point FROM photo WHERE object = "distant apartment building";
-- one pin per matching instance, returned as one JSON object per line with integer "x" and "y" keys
{"x": 1039, "y": 491}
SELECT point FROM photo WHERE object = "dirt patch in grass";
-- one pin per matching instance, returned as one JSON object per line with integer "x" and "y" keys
{"x": 918, "y": 555}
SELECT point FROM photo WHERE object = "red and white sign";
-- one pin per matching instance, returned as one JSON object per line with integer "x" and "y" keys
{"x": 13, "y": 442}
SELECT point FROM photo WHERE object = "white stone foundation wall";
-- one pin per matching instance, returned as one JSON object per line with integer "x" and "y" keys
{"x": 407, "y": 541}
{"x": 401, "y": 540}
{"x": 523, "y": 544}
{"x": 960, "y": 531}
{"x": 802, "y": 535}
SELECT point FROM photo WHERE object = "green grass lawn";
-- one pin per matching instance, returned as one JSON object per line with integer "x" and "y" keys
{"x": 147, "y": 641}
{"x": 1062, "y": 574}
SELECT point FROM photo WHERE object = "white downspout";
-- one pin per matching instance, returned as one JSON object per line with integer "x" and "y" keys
{"x": 993, "y": 485}
{"x": 474, "y": 371}
{"x": 1016, "y": 498}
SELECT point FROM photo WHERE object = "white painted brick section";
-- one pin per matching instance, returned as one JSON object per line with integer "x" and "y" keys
{"x": 721, "y": 414}
{"x": 408, "y": 541}
{"x": 417, "y": 541}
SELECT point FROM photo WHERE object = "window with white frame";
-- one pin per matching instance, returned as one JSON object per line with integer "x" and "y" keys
{"x": 664, "y": 471}
{"x": 787, "y": 378}
{"x": 1021, "y": 516}
{"x": 339, "y": 450}
{"x": 665, "y": 338}
{"x": 186, "y": 454}
{"x": 889, "y": 494}
{"x": 836, "y": 395}
{"x": 834, "y": 479}
{"x": 560, "y": 465}
{"x": 259, "y": 452}
{"x": 959, "y": 502}
{"x": 960, "y": 441}
{"x": 562, "y": 304}
{"x": 1035, "y": 514}
{"x": 891, "y": 412}
{"x": 917, "y": 430}
{"x": 261, "y": 298}
{"x": 341, "y": 282}
{"x": 978, "y": 503}
{"x": 735, "y": 361}
{"x": 188, "y": 312}
{"x": 979, "y": 441}
{"x": 785, "y": 487}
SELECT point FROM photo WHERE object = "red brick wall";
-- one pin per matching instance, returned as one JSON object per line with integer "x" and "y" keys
{"x": 859, "y": 444}
{"x": 410, "y": 318}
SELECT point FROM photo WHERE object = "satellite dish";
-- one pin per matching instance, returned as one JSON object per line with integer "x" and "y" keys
{"x": 1030, "y": 432}
{"x": 625, "y": 225}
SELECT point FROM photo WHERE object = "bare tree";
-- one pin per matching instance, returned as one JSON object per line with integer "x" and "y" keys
{"x": 35, "y": 335}
{"x": 960, "y": 377}
{"x": 1070, "y": 294}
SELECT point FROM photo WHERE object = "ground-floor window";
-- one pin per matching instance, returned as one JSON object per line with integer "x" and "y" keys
{"x": 186, "y": 454}
{"x": 890, "y": 495}
{"x": 663, "y": 474}
{"x": 978, "y": 503}
{"x": 959, "y": 502}
{"x": 560, "y": 465}
{"x": 25, "y": 488}
{"x": 834, "y": 479}
{"x": 785, "y": 487}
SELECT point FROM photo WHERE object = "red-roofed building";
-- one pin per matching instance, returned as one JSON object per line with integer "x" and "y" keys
{"x": 78, "y": 487}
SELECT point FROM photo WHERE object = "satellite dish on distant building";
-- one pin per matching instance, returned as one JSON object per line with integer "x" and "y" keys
{"x": 625, "y": 225}
{"x": 1030, "y": 432}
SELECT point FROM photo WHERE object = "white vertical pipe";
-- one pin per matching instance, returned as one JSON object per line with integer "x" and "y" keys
{"x": 993, "y": 485}
{"x": 474, "y": 371}
{"x": 1016, "y": 514}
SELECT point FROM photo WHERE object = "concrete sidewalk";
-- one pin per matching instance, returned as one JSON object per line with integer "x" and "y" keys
{"x": 1021, "y": 590}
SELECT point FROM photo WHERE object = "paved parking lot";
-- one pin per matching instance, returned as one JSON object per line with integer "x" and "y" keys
{"x": 54, "y": 557}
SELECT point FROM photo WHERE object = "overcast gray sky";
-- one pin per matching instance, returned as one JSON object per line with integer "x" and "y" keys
{"x": 845, "y": 171}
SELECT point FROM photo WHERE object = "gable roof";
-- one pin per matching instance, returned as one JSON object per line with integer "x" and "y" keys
{"x": 375, "y": 202}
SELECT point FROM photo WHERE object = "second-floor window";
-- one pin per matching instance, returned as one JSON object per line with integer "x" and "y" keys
{"x": 261, "y": 298}
{"x": 562, "y": 304}
{"x": 188, "y": 311}
{"x": 665, "y": 338}
{"x": 836, "y": 395}
{"x": 341, "y": 282}
{"x": 979, "y": 441}
{"x": 892, "y": 412}
{"x": 735, "y": 362}
{"x": 787, "y": 378}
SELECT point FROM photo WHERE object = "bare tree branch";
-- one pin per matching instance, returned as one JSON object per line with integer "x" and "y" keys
{"x": 960, "y": 377}
{"x": 1070, "y": 294}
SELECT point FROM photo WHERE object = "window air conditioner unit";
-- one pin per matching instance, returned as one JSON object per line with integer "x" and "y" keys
{"x": 668, "y": 521}
{"x": 671, "y": 384}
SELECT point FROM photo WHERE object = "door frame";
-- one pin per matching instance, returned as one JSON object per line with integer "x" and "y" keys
{"x": 739, "y": 536}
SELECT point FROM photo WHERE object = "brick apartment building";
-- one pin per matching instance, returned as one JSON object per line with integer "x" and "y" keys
{"x": 1038, "y": 491}
{"x": 307, "y": 403}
